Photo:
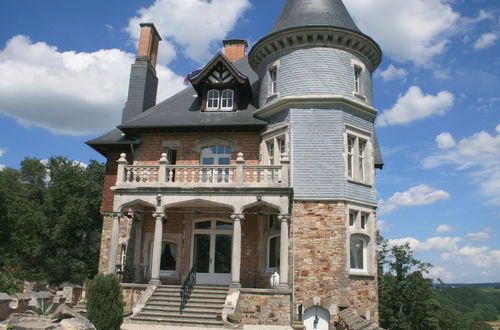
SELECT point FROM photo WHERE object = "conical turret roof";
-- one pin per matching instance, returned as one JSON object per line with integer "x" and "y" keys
{"x": 298, "y": 13}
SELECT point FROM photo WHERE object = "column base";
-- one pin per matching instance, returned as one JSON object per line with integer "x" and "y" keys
{"x": 283, "y": 286}
{"x": 155, "y": 282}
{"x": 235, "y": 285}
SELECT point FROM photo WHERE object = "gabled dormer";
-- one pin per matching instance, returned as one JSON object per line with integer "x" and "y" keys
{"x": 221, "y": 87}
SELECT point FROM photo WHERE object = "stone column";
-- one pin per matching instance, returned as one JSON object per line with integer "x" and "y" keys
{"x": 137, "y": 248}
{"x": 284, "y": 252}
{"x": 113, "y": 247}
{"x": 157, "y": 243}
{"x": 236, "y": 253}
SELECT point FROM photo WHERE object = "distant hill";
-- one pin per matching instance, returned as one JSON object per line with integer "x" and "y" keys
{"x": 479, "y": 285}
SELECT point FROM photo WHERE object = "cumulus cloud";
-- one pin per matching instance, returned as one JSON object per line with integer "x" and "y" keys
{"x": 433, "y": 244}
{"x": 443, "y": 229}
{"x": 479, "y": 155}
{"x": 415, "y": 105}
{"x": 481, "y": 256}
{"x": 415, "y": 196}
{"x": 441, "y": 273}
{"x": 486, "y": 40}
{"x": 445, "y": 141}
{"x": 68, "y": 92}
{"x": 478, "y": 237}
{"x": 2, "y": 152}
{"x": 412, "y": 30}
{"x": 393, "y": 73}
{"x": 383, "y": 226}
{"x": 173, "y": 19}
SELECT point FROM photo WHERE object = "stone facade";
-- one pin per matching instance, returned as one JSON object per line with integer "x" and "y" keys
{"x": 321, "y": 276}
{"x": 265, "y": 307}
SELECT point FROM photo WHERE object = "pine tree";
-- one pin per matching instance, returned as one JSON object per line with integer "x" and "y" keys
{"x": 105, "y": 302}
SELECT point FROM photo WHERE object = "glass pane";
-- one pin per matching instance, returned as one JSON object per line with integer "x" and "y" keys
{"x": 207, "y": 161}
{"x": 202, "y": 225}
{"x": 227, "y": 150}
{"x": 224, "y": 161}
{"x": 274, "y": 252}
{"x": 220, "y": 149}
{"x": 356, "y": 253}
{"x": 224, "y": 225}
{"x": 202, "y": 252}
{"x": 168, "y": 256}
{"x": 223, "y": 245}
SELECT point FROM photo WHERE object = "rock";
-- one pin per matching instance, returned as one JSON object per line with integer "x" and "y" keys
{"x": 77, "y": 324}
{"x": 63, "y": 312}
{"x": 31, "y": 322}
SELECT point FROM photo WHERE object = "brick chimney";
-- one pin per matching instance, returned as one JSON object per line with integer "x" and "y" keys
{"x": 234, "y": 49}
{"x": 143, "y": 83}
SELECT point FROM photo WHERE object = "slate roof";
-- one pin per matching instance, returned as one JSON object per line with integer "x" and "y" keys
{"x": 297, "y": 13}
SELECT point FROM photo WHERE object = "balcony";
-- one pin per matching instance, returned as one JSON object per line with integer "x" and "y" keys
{"x": 165, "y": 175}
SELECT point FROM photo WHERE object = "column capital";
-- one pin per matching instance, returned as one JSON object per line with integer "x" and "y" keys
{"x": 116, "y": 214}
{"x": 159, "y": 215}
{"x": 237, "y": 217}
{"x": 284, "y": 217}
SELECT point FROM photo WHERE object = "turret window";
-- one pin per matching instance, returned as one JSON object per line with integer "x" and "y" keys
{"x": 217, "y": 101}
{"x": 358, "y": 157}
{"x": 357, "y": 79}
{"x": 273, "y": 78}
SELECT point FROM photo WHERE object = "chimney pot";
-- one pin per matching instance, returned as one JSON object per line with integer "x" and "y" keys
{"x": 234, "y": 49}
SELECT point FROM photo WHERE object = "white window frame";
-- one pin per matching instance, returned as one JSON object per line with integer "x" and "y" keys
{"x": 268, "y": 251}
{"x": 229, "y": 99}
{"x": 271, "y": 151}
{"x": 358, "y": 156}
{"x": 217, "y": 98}
{"x": 353, "y": 216}
{"x": 363, "y": 220}
{"x": 368, "y": 234}
{"x": 365, "y": 241}
{"x": 273, "y": 81}
{"x": 357, "y": 78}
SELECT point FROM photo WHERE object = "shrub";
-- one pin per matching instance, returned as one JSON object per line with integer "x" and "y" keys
{"x": 105, "y": 302}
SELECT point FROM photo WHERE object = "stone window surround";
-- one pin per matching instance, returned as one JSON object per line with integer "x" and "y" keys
{"x": 358, "y": 69}
{"x": 268, "y": 250}
{"x": 273, "y": 136}
{"x": 369, "y": 174}
{"x": 148, "y": 252}
{"x": 369, "y": 234}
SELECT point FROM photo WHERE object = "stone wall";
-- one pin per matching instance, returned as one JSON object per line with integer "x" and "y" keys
{"x": 262, "y": 306}
{"x": 321, "y": 276}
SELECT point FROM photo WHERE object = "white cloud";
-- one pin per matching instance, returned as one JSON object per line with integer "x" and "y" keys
{"x": 442, "y": 273}
{"x": 68, "y": 92}
{"x": 478, "y": 237}
{"x": 445, "y": 141}
{"x": 433, "y": 244}
{"x": 2, "y": 152}
{"x": 393, "y": 73}
{"x": 383, "y": 226}
{"x": 414, "y": 105}
{"x": 415, "y": 196}
{"x": 480, "y": 154}
{"x": 412, "y": 30}
{"x": 443, "y": 229}
{"x": 175, "y": 19}
{"x": 481, "y": 256}
{"x": 485, "y": 41}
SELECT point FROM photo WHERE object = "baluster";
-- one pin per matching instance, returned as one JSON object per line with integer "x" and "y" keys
{"x": 193, "y": 174}
{"x": 170, "y": 175}
{"x": 136, "y": 174}
{"x": 255, "y": 175}
{"x": 247, "y": 175}
{"x": 230, "y": 178}
{"x": 215, "y": 175}
{"x": 223, "y": 175}
{"x": 128, "y": 176}
{"x": 185, "y": 174}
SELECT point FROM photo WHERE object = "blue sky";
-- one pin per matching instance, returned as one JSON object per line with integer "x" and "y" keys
{"x": 64, "y": 68}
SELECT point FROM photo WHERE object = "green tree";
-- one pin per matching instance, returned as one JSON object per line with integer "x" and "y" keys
{"x": 105, "y": 302}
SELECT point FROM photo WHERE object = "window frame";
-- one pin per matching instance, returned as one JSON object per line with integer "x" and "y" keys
{"x": 358, "y": 165}
{"x": 227, "y": 99}
{"x": 357, "y": 78}
{"x": 220, "y": 100}
{"x": 365, "y": 241}
{"x": 268, "y": 252}
{"x": 273, "y": 81}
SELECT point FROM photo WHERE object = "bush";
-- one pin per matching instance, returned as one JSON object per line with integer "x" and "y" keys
{"x": 105, "y": 302}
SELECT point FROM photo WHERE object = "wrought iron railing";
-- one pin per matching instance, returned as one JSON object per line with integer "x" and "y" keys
{"x": 187, "y": 287}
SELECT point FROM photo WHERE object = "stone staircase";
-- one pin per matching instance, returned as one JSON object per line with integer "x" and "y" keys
{"x": 201, "y": 309}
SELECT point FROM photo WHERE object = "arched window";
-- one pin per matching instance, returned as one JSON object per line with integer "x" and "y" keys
{"x": 273, "y": 252}
{"x": 213, "y": 99}
{"x": 227, "y": 99}
{"x": 215, "y": 155}
{"x": 358, "y": 252}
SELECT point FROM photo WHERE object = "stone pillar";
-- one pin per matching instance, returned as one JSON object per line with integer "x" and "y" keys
{"x": 284, "y": 252}
{"x": 157, "y": 243}
{"x": 240, "y": 161}
{"x": 120, "y": 172}
{"x": 236, "y": 253}
{"x": 285, "y": 170}
{"x": 137, "y": 248}
{"x": 113, "y": 247}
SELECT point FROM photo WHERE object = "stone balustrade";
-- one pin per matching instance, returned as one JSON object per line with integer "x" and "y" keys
{"x": 202, "y": 175}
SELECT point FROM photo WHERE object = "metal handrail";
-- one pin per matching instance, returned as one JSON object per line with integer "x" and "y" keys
{"x": 187, "y": 287}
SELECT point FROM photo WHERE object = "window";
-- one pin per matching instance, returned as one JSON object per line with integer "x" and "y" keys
{"x": 215, "y": 155}
{"x": 358, "y": 252}
{"x": 168, "y": 257}
{"x": 273, "y": 81}
{"x": 282, "y": 145}
{"x": 270, "y": 152}
{"x": 273, "y": 222}
{"x": 220, "y": 101}
{"x": 273, "y": 255}
{"x": 352, "y": 218}
{"x": 357, "y": 79}
{"x": 364, "y": 220}
{"x": 358, "y": 157}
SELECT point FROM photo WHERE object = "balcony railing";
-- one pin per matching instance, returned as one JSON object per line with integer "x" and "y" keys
{"x": 202, "y": 175}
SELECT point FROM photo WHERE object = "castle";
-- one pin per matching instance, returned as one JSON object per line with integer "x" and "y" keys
{"x": 264, "y": 165}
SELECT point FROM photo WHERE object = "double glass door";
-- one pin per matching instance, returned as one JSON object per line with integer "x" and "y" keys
{"x": 212, "y": 246}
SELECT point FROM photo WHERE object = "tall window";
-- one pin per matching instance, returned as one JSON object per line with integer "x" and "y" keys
{"x": 217, "y": 101}
{"x": 273, "y": 79}
{"x": 358, "y": 157}
{"x": 273, "y": 259}
{"x": 364, "y": 220}
{"x": 361, "y": 158}
{"x": 215, "y": 155}
{"x": 357, "y": 79}
{"x": 282, "y": 145}
{"x": 270, "y": 152}
{"x": 358, "y": 252}
{"x": 351, "y": 141}
{"x": 168, "y": 256}
{"x": 352, "y": 218}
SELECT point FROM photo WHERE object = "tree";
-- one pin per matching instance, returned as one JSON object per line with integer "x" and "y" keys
{"x": 105, "y": 302}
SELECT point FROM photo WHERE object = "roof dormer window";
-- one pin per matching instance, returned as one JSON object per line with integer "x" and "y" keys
{"x": 220, "y": 101}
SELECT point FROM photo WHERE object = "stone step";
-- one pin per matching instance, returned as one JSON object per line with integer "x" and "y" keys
{"x": 190, "y": 305}
{"x": 179, "y": 322}
{"x": 170, "y": 317}
{"x": 191, "y": 299}
{"x": 187, "y": 311}
{"x": 178, "y": 292}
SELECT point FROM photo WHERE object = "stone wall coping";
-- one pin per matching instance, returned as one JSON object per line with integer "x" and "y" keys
{"x": 134, "y": 286}
{"x": 361, "y": 276}
{"x": 267, "y": 291}
{"x": 4, "y": 296}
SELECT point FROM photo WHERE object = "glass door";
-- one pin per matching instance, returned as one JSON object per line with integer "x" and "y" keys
{"x": 212, "y": 246}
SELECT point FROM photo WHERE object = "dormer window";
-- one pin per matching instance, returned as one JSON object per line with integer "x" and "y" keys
{"x": 220, "y": 101}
